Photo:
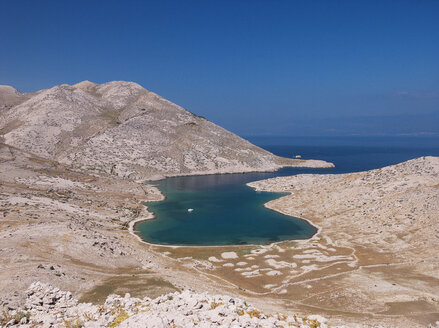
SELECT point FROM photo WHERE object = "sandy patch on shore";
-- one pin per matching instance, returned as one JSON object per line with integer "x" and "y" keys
{"x": 229, "y": 255}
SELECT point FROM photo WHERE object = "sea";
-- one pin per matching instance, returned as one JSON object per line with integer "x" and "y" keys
{"x": 214, "y": 210}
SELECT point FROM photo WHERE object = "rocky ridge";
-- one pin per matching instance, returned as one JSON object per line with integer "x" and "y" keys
{"x": 122, "y": 129}
{"x": 47, "y": 306}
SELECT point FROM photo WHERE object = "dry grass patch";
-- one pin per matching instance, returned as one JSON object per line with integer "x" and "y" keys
{"x": 135, "y": 285}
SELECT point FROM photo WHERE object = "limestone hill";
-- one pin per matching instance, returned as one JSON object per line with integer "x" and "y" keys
{"x": 123, "y": 129}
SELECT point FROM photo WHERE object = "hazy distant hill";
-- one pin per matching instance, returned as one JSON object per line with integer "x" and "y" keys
{"x": 10, "y": 97}
{"x": 123, "y": 129}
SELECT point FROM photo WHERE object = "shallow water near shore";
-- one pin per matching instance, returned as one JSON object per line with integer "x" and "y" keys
{"x": 227, "y": 212}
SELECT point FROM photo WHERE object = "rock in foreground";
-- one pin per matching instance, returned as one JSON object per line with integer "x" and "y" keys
{"x": 47, "y": 306}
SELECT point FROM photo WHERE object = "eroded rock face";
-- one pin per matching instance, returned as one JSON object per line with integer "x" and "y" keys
{"x": 123, "y": 129}
{"x": 47, "y": 306}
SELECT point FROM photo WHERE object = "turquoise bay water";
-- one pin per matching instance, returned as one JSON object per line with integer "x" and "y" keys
{"x": 227, "y": 212}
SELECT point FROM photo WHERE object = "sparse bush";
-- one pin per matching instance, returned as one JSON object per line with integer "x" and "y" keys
{"x": 20, "y": 315}
{"x": 122, "y": 316}
{"x": 254, "y": 313}
{"x": 214, "y": 304}
{"x": 74, "y": 324}
{"x": 240, "y": 312}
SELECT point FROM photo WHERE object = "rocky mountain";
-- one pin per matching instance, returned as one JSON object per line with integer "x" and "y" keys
{"x": 123, "y": 129}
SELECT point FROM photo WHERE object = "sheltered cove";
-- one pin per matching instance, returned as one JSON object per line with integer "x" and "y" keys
{"x": 215, "y": 216}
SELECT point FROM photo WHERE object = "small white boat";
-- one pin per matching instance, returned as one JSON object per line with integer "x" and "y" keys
{"x": 298, "y": 156}
{"x": 190, "y": 209}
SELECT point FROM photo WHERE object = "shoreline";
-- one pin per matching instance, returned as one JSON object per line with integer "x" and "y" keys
{"x": 319, "y": 164}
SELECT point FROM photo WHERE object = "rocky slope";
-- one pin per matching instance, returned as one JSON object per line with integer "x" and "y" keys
{"x": 66, "y": 227}
{"x": 387, "y": 222}
{"x": 123, "y": 129}
{"x": 47, "y": 306}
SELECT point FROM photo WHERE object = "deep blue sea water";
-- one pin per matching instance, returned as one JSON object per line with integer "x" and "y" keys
{"x": 226, "y": 212}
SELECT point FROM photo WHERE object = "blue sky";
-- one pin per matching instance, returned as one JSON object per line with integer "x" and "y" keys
{"x": 254, "y": 67}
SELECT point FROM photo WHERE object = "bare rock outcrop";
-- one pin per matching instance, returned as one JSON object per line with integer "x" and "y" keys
{"x": 123, "y": 129}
